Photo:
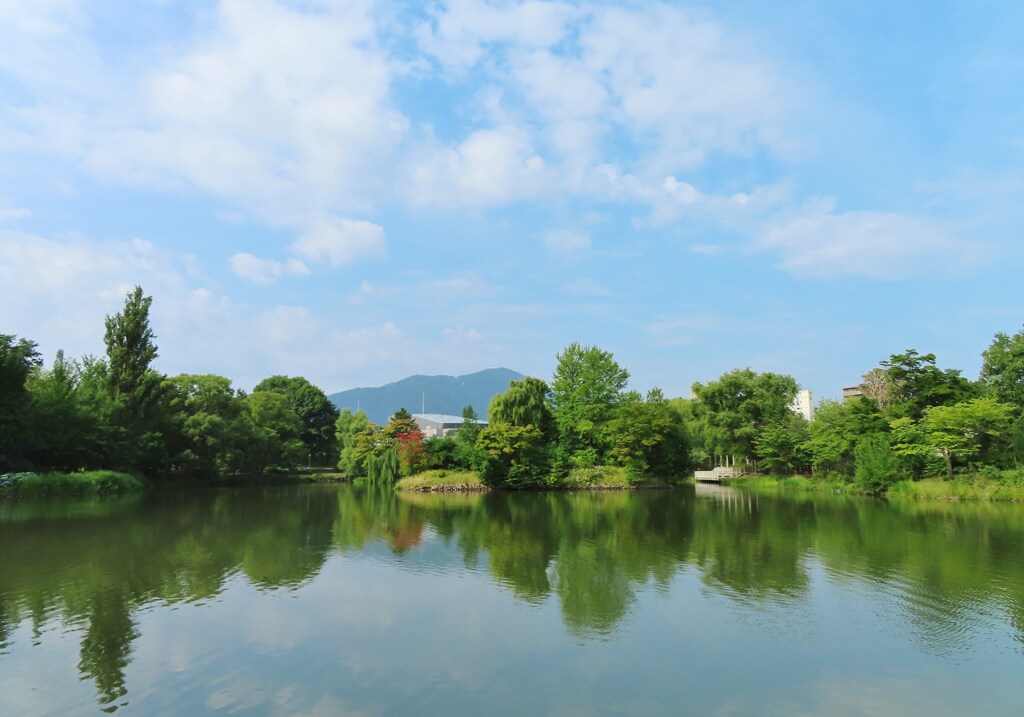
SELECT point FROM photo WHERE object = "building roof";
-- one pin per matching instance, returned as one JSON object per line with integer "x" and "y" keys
{"x": 442, "y": 418}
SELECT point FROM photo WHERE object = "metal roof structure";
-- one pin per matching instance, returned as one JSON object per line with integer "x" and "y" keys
{"x": 443, "y": 419}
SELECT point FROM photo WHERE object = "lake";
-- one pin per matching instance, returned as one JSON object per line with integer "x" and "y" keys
{"x": 340, "y": 600}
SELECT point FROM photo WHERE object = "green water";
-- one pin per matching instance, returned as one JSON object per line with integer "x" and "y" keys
{"x": 326, "y": 601}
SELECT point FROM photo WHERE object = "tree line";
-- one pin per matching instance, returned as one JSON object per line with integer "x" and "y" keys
{"x": 538, "y": 435}
{"x": 913, "y": 420}
{"x": 118, "y": 412}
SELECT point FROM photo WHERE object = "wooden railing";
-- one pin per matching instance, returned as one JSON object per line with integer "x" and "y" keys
{"x": 717, "y": 474}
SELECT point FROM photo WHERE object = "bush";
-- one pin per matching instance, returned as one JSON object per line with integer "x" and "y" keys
{"x": 877, "y": 466}
{"x": 84, "y": 483}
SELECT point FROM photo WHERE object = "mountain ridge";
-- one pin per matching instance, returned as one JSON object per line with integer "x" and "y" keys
{"x": 437, "y": 394}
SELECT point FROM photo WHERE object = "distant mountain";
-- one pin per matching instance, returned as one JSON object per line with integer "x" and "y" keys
{"x": 440, "y": 394}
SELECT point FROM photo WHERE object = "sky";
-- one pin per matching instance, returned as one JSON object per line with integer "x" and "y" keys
{"x": 357, "y": 191}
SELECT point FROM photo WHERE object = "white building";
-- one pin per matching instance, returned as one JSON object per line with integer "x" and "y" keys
{"x": 803, "y": 404}
{"x": 440, "y": 424}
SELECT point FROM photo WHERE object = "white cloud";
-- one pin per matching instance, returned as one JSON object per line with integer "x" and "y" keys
{"x": 490, "y": 167}
{"x": 564, "y": 241}
{"x": 822, "y": 243}
{"x": 265, "y": 271}
{"x": 339, "y": 242}
{"x": 284, "y": 110}
{"x": 287, "y": 325}
{"x": 457, "y": 36}
{"x": 275, "y": 106}
{"x": 57, "y": 292}
{"x": 675, "y": 86}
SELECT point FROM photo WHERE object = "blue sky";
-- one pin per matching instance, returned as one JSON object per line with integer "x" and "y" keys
{"x": 357, "y": 191}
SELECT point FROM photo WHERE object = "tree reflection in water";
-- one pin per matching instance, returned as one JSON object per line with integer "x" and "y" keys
{"x": 95, "y": 565}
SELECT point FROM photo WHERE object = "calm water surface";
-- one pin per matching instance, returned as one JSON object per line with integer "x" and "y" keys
{"x": 344, "y": 601}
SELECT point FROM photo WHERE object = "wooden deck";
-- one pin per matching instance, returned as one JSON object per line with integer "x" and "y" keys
{"x": 715, "y": 475}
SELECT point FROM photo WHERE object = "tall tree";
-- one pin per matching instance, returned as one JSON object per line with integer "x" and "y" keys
{"x": 585, "y": 391}
{"x": 130, "y": 352}
{"x": 917, "y": 383}
{"x": 141, "y": 419}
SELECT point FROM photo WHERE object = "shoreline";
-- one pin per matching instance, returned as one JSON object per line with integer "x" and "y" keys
{"x": 961, "y": 489}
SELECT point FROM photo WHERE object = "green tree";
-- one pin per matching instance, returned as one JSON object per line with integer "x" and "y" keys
{"x": 214, "y": 430}
{"x": 401, "y": 422}
{"x": 955, "y": 431}
{"x": 916, "y": 384}
{"x": 525, "y": 403}
{"x": 142, "y": 418}
{"x": 130, "y": 352}
{"x": 316, "y": 412}
{"x": 877, "y": 464}
{"x": 386, "y": 467}
{"x": 347, "y": 427}
{"x": 836, "y": 430}
{"x": 649, "y": 437}
{"x": 782, "y": 445}
{"x": 585, "y": 391}
{"x": 371, "y": 442}
{"x": 442, "y": 453}
{"x": 466, "y": 453}
{"x": 732, "y": 411}
{"x": 18, "y": 358}
{"x": 278, "y": 429}
{"x": 512, "y": 456}
{"x": 60, "y": 426}
{"x": 1002, "y": 370}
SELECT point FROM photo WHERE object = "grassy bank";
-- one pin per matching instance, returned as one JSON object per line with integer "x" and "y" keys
{"x": 599, "y": 478}
{"x": 795, "y": 484}
{"x": 1007, "y": 486}
{"x": 442, "y": 480}
{"x": 86, "y": 483}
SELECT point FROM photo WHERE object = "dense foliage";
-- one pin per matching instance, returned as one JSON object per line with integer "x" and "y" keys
{"x": 913, "y": 420}
{"x": 118, "y": 412}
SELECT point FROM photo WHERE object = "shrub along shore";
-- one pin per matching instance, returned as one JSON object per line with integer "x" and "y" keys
{"x": 600, "y": 478}
{"x": 1005, "y": 486}
{"x": 86, "y": 483}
